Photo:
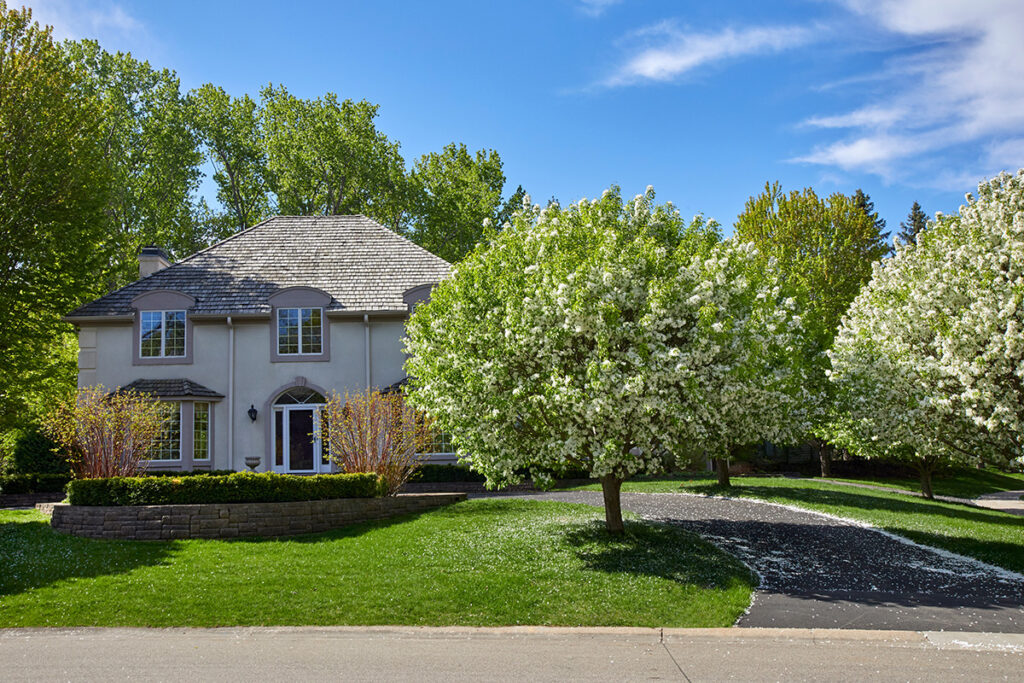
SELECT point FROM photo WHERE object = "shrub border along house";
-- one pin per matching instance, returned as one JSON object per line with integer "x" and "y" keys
{"x": 232, "y": 506}
{"x": 243, "y": 487}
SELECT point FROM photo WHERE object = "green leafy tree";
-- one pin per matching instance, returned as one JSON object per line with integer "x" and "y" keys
{"x": 609, "y": 337}
{"x": 512, "y": 204}
{"x": 459, "y": 191}
{"x": 825, "y": 248}
{"x": 917, "y": 220}
{"x": 326, "y": 157}
{"x": 230, "y": 131}
{"x": 53, "y": 191}
{"x": 151, "y": 151}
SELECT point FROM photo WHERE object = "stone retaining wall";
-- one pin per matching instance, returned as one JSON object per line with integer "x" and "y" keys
{"x": 234, "y": 520}
{"x": 27, "y": 500}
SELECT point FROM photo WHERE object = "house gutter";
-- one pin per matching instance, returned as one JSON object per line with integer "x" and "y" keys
{"x": 231, "y": 393}
{"x": 366, "y": 336}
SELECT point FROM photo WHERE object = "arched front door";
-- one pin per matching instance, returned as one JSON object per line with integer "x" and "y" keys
{"x": 296, "y": 432}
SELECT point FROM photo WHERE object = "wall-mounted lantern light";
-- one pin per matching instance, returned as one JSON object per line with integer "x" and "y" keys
{"x": 252, "y": 413}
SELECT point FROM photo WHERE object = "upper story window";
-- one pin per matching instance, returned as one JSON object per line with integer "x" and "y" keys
{"x": 162, "y": 334}
{"x": 299, "y": 331}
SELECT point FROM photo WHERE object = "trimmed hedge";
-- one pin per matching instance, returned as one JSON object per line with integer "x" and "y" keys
{"x": 193, "y": 473}
{"x": 445, "y": 473}
{"x": 35, "y": 482}
{"x": 241, "y": 487}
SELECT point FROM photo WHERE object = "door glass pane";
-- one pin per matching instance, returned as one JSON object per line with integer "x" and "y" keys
{"x": 300, "y": 439}
{"x": 279, "y": 438}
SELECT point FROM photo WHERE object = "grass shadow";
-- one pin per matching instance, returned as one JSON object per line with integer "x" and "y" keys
{"x": 657, "y": 550}
{"x": 33, "y": 555}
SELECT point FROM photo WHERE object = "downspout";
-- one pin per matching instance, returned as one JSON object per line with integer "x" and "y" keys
{"x": 231, "y": 394}
{"x": 366, "y": 334}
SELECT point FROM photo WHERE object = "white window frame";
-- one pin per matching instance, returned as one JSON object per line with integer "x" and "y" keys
{"x": 163, "y": 334}
{"x": 300, "y": 309}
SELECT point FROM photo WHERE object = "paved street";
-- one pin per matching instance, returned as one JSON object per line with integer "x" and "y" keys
{"x": 527, "y": 654}
{"x": 822, "y": 572}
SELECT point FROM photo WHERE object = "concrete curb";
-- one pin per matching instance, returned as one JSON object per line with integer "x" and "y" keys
{"x": 937, "y": 640}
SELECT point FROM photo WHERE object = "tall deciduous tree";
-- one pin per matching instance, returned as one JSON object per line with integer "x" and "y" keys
{"x": 53, "y": 191}
{"x": 151, "y": 151}
{"x": 917, "y": 220}
{"x": 458, "y": 192}
{"x": 230, "y": 132}
{"x": 928, "y": 362}
{"x": 825, "y": 249}
{"x": 609, "y": 337}
{"x": 326, "y": 157}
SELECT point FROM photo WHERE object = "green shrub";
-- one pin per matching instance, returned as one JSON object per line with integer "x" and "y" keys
{"x": 33, "y": 482}
{"x": 28, "y": 451}
{"x": 193, "y": 473}
{"x": 445, "y": 473}
{"x": 240, "y": 487}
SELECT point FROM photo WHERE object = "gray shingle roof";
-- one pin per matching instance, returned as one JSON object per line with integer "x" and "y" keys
{"x": 360, "y": 263}
{"x": 171, "y": 388}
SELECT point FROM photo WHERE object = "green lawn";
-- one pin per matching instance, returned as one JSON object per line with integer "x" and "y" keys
{"x": 484, "y": 562}
{"x": 960, "y": 483}
{"x": 988, "y": 535}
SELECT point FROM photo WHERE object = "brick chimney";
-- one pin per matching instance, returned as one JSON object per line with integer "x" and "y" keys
{"x": 151, "y": 259}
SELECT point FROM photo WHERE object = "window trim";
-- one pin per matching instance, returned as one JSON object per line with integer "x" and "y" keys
{"x": 163, "y": 334}
{"x": 300, "y": 309}
{"x": 161, "y": 300}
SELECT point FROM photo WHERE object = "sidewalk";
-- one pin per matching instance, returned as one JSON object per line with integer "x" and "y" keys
{"x": 1004, "y": 501}
{"x": 504, "y": 654}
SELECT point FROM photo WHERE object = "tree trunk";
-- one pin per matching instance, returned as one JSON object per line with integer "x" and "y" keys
{"x": 825, "y": 456}
{"x": 924, "y": 469}
{"x": 722, "y": 467}
{"x": 611, "y": 486}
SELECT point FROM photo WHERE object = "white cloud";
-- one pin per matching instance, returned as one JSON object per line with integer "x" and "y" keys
{"x": 595, "y": 8}
{"x": 960, "y": 88}
{"x": 107, "y": 21}
{"x": 671, "y": 51}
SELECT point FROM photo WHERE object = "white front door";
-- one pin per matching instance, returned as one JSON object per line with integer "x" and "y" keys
{"x": 296, "y": 438}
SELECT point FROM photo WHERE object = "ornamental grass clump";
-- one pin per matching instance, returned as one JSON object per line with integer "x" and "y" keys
{"x": 374, "y": 432}
{"x": 103, "y": 433}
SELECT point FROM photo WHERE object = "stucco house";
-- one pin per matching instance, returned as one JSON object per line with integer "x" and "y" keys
{"x": 246, "y": 338}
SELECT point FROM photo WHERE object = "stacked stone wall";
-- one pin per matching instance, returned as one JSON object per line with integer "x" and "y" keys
{"x": 234, "y": 520}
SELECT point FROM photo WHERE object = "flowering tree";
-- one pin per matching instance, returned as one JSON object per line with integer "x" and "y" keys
{"x": 608, "y": 337}
{"x": 106, "y": 434}
{"x": 929, "y": 363}
{"x": 374, "y": 432}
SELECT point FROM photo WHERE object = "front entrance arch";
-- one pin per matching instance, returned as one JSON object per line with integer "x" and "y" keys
{"x": 296, "y": 446}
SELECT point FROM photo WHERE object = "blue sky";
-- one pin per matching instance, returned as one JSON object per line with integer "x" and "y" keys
{"x": 706, "y": 101}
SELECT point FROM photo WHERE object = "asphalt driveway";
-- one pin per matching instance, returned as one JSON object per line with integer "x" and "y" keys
{"x": 818, "y": 571}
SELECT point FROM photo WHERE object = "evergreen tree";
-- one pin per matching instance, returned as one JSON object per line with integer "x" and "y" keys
{"x": 917, "y": 220}
{"x": 863, "y": 202}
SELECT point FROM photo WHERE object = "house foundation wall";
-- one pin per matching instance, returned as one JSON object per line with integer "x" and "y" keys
{"x": 234, "y": 520}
